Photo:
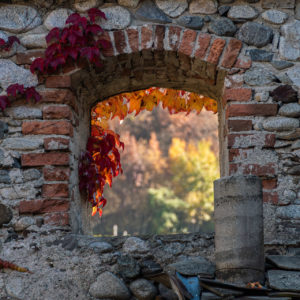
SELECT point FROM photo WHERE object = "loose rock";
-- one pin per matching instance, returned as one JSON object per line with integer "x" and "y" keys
{"x": 10, "y": 73}
{"x": 294, "y": 75}
{"x": 223, "y": 9}
{"x": 5, "y": 214}
{"x": 128, "y": 267}
{"x": 107, "y": 286}
{"x": 281, "y": 64}
{"x": 284, "y": 280}
{"x": 285, "y": 94}
{"x": 280, "y": 124}
{"x": 207, "y": 7}
{"x": 118, "y": 17}
{"x": 18, "y": 18}
{"x": 275, "y": 16}
{"x": 285, "y": 262}
{"x": 291, "y": 110}
{"x": 260, "y": 55}
{"x": 135, "y": 245}
{"x": 143, "y": 289}
{"x": 222, "y": 27}
{"x": 289, "y": 47}
{"x": 255, "y": 34}
{"x": 242, "y": 12}
{"x": 193, "y": 22}
{"x": 149, "y": 11}
{"x": 33, "y": 41}
{"x": 101, "y": 247}
{"x": 86, "y": 5}
{"x": 258, "y": 76}
{"x": 172, "y": 8}
{"x": 57, "y": 18}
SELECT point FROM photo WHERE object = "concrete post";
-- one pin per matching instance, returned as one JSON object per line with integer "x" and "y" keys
{"x": 239, "y": 239}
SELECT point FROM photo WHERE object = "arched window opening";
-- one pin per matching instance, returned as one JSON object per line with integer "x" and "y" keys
{"x": 169, "y": 162}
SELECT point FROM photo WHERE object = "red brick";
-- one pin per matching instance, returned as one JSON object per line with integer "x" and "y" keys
{"x": 270, "y": 197}
{"x": 120, "y": 41}
{"x": 188, "y": 42}
{"x": 231, "y": 53}
{"x": 269, "y": 184}
{"x": 233, "y": 168}
{"x": 55, "y": 190}
{"x": 233, "y": 153}
{"x": 133, "y": 39}
{"x": 237, "y": 94}
{"x": 28, "y": 57}
{"x": 260, "y": 170}
{"x": 57, "y": 112}
{"x": 270, "y": 140}
{"x": 56, "y": 174}
{"x": 43, "y": 206}
{"x": 56, "y": 144}
{"x": 235, "y": 110}
{"x": 174, "y": 37}
{"x": 58, "y": 96}
{"x": 109, "y": 51}
{"x": 159, "y": 37}
{"x": 239, "y": 125}
{"x": 44, "y": 159}
{"x": 58, "y": 219}
{"x": 146, "y": 37}
{"x": 216, "y": 51}
{"x": 245, "y": 63}
{"x": 58, "y": 81}
{"x": 47, "y": 127}
{"x": 202, "y": 45}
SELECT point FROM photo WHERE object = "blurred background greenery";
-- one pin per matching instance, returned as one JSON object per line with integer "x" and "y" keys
{"x": 169, "y": 163}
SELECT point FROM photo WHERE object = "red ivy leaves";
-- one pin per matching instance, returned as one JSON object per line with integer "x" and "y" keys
{"x": 6, "y": 46}
{"x": 98, "y": 165}
{"x": 18, "y": 89}
{"x": 80, "y": 38}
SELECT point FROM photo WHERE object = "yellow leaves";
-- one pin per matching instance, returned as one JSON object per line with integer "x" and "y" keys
{"x": 174, "y": 100}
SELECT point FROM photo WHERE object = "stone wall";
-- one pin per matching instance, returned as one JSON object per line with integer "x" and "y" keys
{"x": 244, "y": 54}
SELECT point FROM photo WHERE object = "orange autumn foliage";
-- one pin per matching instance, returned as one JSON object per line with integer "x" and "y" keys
{"x": 101, "y": 161}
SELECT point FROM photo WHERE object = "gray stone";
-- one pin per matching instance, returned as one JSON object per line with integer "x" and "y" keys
{"x": 289, "y": 195}
{"x": 16, "y": 176}
{"x": 193, "y": 22}
{"x": 135, "y": 245}
{"x": 24, "y": 112}
{"x": 3, "y": 129}
{"x": 15, "y": 287}
{"x": 143, "y": 289}
{"x": 242, "y": 12}
{"x": 84, "y": 6}
{"x": 128, "y": 267}
{"x": 285, "y": 94}
{"x": 12, "y": 51}
{"x": 255, "y": 34}
{"x": 149, "y": 11}
{"x": 281, "y": 64}
{"x": 258, "y": 76}
{"x": 283, "y": 78}
{"x": 5, "y": 214}
{"x": 19, "y": 191}
{"x": 57, "y": 18}
{"x": 118, "y": 17}
{"x": 172, "y": 8}
{"x": 289, "y": 47}
{"x": 107, "y": 286}
{"x": 222, "y": 27}
{"x": 223, "y": 9}
{"x": 285, "y": 262}
{"x": 10, "y": 73}
{"x": 296, "y": 145}
{"x": 297, "y": 10}
{"x": 4, "y": 176}
{"x": 291, "y": 110}
{"x": 193, "y": 266}
{"x": 280, "y": 124}
{"x": 260, "y": 55}
{"x": 284, "y": 280}
{"x": 129, "y": 3}
{"x": 18, "y": 18}
{"x": 31, "y": 174}
{"x": 22, "y": 143}
{"x": 101, "y": 247}
{"x": 24, "y": 223}
{"x": 166, "y": 293}
{"x": 294, "y": 170}
{"x": 278, "y": 3}
{"x": 33, "y": 41}
{"x": 294, "y": 75}
{"x": 207, "y": 7}
{"x": 275, "y": 16}
{"x": 150, "y": 267}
